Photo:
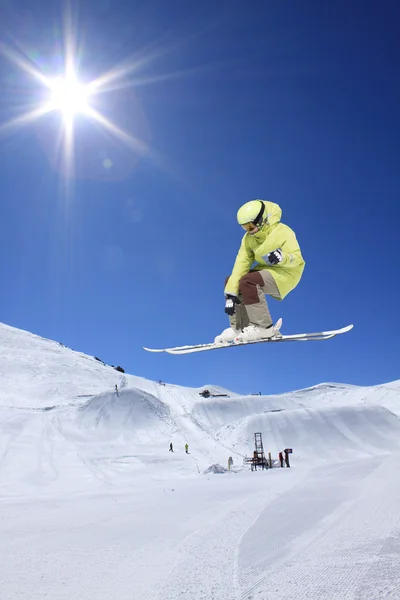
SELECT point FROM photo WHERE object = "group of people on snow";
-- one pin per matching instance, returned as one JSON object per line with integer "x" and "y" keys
{"x": 286, "y": 459}
{"x": 171, "y": 447}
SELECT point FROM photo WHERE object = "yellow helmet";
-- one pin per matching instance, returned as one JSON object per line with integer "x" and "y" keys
{"x": 251, "y": 215}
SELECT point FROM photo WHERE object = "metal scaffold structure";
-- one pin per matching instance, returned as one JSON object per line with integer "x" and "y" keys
{"x": 258, "y": 458}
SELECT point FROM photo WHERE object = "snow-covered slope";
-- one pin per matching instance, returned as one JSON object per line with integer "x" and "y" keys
{"x": 93, "y": 504}
{"x": 326, "y": 434}
{"x": 325, "y": 422}
{"x": 386, "y": 394}
{"x": 63, "y": 421}
{"x": 36, "y": 372}
{"x": 64, "y": 407}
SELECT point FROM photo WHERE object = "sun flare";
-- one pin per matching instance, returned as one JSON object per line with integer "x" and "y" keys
{"x": 68, "y": 96}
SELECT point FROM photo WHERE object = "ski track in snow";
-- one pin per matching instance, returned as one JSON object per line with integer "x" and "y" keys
{"x": 93, "y": 506}
{"x": 210, "y": 555}
{"x": 334, "y": 539}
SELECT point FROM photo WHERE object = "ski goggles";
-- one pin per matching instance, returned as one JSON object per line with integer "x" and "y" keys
{"x": 249, "y": 226}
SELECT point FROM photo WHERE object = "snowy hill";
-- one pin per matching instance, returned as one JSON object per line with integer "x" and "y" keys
{"x": 86, "y": 449}
{"x": 64, "y": 405}
{"x": 387, "y": 395}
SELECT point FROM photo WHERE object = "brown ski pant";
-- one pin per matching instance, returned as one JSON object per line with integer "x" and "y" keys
{"x": 254, "y": 308}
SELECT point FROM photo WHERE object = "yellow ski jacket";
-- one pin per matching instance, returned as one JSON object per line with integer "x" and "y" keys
{"x": 255, "y": 248}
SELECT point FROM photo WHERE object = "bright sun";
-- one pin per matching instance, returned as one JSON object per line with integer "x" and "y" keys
{"x": 69, "y": 96}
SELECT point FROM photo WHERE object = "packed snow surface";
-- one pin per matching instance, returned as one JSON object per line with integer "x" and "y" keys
{"x": 94, "y": 505}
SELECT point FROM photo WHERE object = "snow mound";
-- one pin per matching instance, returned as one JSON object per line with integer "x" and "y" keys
{"x": 131, "y": 410}
{"x": 217, "y": 469}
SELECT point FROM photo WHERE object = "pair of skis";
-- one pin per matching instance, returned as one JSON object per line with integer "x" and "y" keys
{"x": 297, "y": 337}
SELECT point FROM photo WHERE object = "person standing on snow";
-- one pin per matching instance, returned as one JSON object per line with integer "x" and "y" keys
{"x": 279, "y": 266}
{"x": 187, "y": 448}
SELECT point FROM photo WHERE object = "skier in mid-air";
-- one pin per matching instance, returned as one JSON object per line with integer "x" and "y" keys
{"x": 279, "y": 266}
{"x": 269, "y": 262}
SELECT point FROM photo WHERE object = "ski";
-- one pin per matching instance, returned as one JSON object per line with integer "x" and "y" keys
{"x": 297, "y": 337}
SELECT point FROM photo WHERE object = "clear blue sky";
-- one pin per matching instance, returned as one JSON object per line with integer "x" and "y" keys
{"x": 295, "y": 102}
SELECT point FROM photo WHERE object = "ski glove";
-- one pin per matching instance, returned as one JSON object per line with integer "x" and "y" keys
{"x": 274, "y": 258}
{"x": 230, "y": 303}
